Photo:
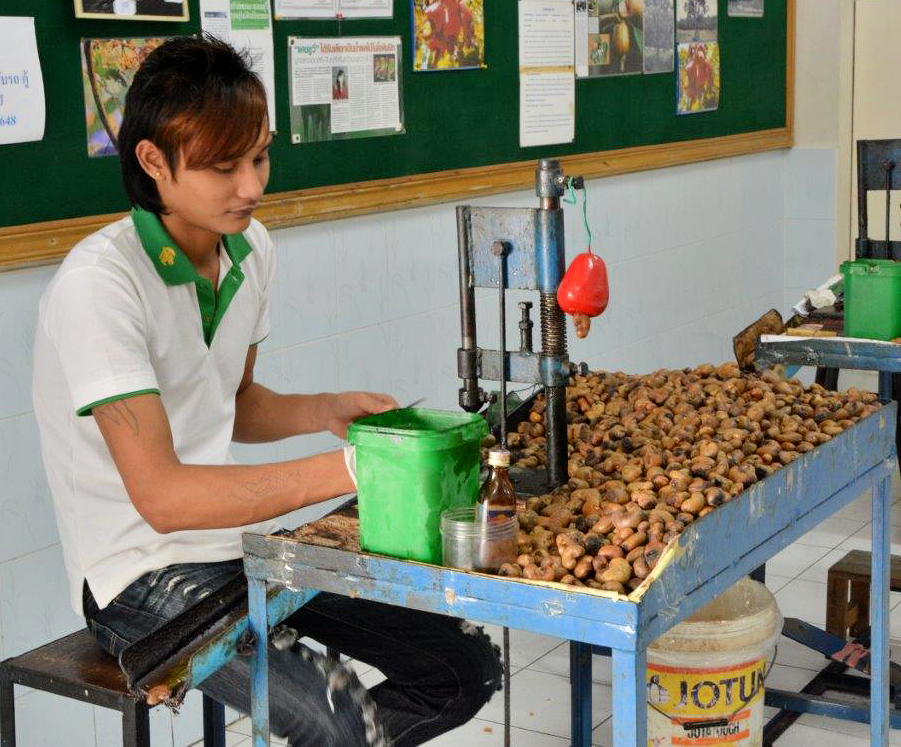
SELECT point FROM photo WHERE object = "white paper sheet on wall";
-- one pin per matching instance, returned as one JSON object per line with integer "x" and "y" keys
{"x": 334, "y": 9}
{"x": 246, "y": 25}
{"x": 547, "y": 90}
{"x": 22, "y": 110}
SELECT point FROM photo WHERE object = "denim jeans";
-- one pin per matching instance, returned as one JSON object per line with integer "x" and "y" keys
{"x": 440, "y": 670}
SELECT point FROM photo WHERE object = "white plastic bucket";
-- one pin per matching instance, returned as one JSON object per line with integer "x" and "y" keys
{"x": 711, "y": 668}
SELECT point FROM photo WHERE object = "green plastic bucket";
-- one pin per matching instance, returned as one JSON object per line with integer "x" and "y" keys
{"x": 872, "y": 298}
{"x": 412, "y": 464}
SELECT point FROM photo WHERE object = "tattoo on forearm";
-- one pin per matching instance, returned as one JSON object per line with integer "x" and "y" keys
{"x": 266, "y": 484}
{"x": 118, "y": 413}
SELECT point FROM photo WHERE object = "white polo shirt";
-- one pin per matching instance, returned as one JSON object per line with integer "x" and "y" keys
{"x": 127, "y": 313}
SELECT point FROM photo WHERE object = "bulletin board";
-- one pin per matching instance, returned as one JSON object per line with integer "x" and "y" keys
{"x": 461, "y": 134}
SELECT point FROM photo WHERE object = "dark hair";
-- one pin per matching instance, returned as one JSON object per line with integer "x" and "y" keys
{"x": 193, "y": 97}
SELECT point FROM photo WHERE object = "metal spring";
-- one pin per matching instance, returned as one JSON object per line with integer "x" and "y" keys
{"x": 553, "y": 326}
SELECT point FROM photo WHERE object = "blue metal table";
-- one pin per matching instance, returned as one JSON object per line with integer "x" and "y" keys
{"x": 709, "y": 556}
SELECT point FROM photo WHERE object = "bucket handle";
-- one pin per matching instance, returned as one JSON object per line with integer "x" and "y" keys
{"x": 690, "y": 725}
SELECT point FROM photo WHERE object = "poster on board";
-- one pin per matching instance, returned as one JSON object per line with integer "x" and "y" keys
{"x": 448, "y": 34}
{"x": 699, "y": 77}
{"x": 343, "y": 9}
{"x": 133, "y": 10}
{"x": 659, "y": 31}
{"x": 247, "y": 26}
{"x": 107, "y": 68}
{"x": 22, "y": 107}
{"x": 346, "y": 87}
{"x": 746, "y": 8}
{"x": 610, "y": 37}
{"x": 696, "y": 21}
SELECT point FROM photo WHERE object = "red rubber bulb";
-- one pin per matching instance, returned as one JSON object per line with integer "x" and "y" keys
{"x": 584, "y": 288}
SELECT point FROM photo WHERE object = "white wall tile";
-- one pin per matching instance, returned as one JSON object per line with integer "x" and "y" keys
{"x": 108, "y": 728}
{"x": 27, "y": 518}
{"x": 20, "y": 292}
{"x": 35, "y": 601}
{"x": 810, "y": 183}
{"x": 360, "y": 273}
{"x": 46, "y": 720}
{"x": 809, "y": 252}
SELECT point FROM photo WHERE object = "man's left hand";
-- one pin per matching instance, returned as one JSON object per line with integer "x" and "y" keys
{"x": 345, "y": 407}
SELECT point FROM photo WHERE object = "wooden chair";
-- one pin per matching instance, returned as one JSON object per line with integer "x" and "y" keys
{"x": 848, "y": 593}
{"x": 76, "y": 667}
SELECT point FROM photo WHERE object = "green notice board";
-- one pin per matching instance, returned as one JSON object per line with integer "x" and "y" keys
{"x": 453, "y": 120}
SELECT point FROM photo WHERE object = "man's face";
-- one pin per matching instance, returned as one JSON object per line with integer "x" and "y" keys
{"x": 220, "y": 198}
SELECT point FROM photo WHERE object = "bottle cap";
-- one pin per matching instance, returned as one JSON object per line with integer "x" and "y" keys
{"x": 499, "y": 457}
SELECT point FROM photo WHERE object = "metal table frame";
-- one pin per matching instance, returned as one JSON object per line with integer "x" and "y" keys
{"x": 696, "y": 568}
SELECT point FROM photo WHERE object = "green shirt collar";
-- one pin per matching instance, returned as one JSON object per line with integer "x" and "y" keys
{"x": 170, "y": 262}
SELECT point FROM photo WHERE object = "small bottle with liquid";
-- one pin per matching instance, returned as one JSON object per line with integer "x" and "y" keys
{"x": 496, "y": 514}
{"x": 497, "y": 498}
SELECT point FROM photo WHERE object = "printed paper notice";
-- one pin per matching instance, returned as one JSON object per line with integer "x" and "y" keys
{"x": 347, "y": 87}
{"x": 547, "y": 91}
{"x": 22, "y": 110}
{"x": 246, "y": 25}
{"x": 334, "y": 9}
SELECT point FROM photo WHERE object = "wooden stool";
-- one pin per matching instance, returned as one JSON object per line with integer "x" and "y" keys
{"x": 848, "y": 593}
{"x": 76, "y": 667}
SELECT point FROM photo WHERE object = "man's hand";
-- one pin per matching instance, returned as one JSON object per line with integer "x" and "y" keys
{"x": 345, "y": 407}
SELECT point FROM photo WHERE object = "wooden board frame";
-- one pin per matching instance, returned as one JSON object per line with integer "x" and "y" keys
{"x": 49, "y": 241}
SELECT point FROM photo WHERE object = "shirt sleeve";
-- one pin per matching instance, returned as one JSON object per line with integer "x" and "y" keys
{"x": 98, "y": 326}
{"x": 261, "y": 330}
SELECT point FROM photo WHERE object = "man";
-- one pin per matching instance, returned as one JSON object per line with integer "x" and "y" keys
{"x": 143, "y": 375}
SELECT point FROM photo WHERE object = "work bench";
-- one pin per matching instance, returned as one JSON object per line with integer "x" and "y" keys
{"x": 284, "y": 571}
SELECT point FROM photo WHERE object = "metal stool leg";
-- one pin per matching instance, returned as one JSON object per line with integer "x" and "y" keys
{"x": 135, "y": 724}
{"x": 7, "y": 710}
{"x": 580, "y": 692}
{"x": 213, "y": 722}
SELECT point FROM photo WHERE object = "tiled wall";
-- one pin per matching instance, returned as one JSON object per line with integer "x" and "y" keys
{"x": 694, "y": 253}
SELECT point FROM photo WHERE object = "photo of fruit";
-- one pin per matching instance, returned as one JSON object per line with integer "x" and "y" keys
{"x": 599, "y": 49}
{"x": 659, "y": 47}
{"x": 107, "y": 68}
{"x": 699, "y": 77}
{"x": 696, "y": 21}
{"x": 448, "y": 34}
{"x": 621, "y": 23}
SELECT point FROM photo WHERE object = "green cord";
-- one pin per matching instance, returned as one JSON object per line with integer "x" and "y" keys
{"x": 571, "y": 200}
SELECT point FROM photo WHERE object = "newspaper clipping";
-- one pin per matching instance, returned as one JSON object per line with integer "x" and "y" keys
{"x": 347, "y": 87}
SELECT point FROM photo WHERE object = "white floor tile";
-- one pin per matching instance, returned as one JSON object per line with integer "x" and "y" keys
{"x": 862, "y": 539}
{"x": 232, "y": 739}
{"x": 242, "y": 726}
{"x": 805, "y": 600}
{"x": 479, "y": 733}
{"x": 525, "y": 647}
{"x": 372, "y": 678}
{"x": 793, "y": 654}
{"x": 833, "y": 531}
{"x": 542, "y": 701}
{"x": 859, "y": 507}
{"x": 557, "y": 662}
{"x": 851, "y": 728}
{"x": 819, "y": 570}
{"x": 793, "y": 679}
{"x": 794, "y": 559}
{"x": 774, "y": 582}
{"x": 801, "y": 735}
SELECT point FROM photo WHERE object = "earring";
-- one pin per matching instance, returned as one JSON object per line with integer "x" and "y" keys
{"x": 157, "y": 175}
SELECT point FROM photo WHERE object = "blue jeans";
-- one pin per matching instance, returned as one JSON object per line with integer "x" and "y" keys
{"x": 440, "y": 671}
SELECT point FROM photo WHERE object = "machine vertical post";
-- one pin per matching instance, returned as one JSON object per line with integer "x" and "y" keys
{"x": 630, "y": 717}
{"x": 879, "y": 614}
{"x": 259, "y": 665}
{"x": 580, "y": 692}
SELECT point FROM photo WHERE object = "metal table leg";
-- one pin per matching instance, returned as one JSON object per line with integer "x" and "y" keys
{"x": 259, "y": 665}
{"x": 580, "y": 692}
{"x": 879, "y": 615}
{"x": 630, "y": 706}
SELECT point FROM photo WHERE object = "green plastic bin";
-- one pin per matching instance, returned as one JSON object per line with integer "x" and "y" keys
{"x": 872, "y": 298}
{"x": 412, "y": 464}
